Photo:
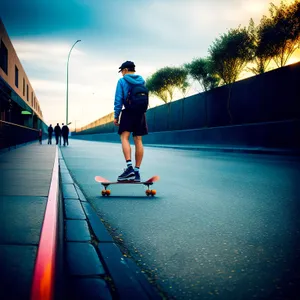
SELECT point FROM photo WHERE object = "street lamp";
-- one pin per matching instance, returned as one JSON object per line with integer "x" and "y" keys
{"x": 75, "y": 124}
{"x": 68, "y": 80}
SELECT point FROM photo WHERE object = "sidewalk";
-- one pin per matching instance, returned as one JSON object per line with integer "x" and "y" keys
{"x": 24, "y": 186}
{"x": 52, "y": 242}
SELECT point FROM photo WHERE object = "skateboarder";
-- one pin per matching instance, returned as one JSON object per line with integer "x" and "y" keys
{"x": 130, "y": 120}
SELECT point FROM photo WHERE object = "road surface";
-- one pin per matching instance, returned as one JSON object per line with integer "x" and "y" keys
{"x": 222, "y": 226}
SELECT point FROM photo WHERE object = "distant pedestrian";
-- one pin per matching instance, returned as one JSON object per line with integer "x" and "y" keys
{"x": 40, "y": 136}
{"x": 57, "y": 132}
{"x": 65, "y": 133}
{"x": 50, "y": 132}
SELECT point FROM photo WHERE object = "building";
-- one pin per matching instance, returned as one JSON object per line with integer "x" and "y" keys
{"x": 20, "y": 113}
{"x": 18, "y": 102}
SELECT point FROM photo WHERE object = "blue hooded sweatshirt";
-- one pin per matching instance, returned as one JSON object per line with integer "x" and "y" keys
{"x": 122, "y": 90}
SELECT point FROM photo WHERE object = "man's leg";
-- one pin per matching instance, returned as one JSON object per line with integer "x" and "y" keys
{"x": 128, "y": 174}
{"x": 126, "y": 145}
{"x": 139, "y": 150}
{"x": 140, "y": 126}
{"x": 139, "y": 153}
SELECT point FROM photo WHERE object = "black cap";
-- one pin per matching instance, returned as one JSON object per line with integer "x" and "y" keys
{"x": 127, "y": 65}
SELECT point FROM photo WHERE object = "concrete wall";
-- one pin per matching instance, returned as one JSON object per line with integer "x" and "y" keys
{"x": 282, "y": 134}
{"x": 265, "y": 112}
{"x": 273, "y": 96}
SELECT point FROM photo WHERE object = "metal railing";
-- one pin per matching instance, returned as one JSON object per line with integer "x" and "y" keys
{"x": 12, "y": 134}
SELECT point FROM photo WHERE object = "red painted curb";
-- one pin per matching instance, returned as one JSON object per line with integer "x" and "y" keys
{"x": 44, "y": 270}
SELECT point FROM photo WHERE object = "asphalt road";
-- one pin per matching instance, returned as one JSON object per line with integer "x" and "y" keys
{"x": 222, "y": 226}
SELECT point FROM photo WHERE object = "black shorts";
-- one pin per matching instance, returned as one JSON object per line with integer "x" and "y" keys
{"x": 132, "y": 122}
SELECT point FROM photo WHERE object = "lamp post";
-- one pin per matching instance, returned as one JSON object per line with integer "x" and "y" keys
{"x": 68, "y": 80}
{"x": 75, "y": 124}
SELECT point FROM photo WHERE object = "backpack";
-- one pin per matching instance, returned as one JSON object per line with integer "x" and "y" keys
{"x": 137, "y": 99}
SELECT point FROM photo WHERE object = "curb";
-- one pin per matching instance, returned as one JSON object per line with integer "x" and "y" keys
{"x": 230, "y": 149}
{"x": 43, "y": 281}
{"x": 96, "y": 268}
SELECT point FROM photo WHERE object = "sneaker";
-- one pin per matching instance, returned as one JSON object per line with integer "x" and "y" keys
{"x": 128, "y": 174}
{"x": 137, "y": 176}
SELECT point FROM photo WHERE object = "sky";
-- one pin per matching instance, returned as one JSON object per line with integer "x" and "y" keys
{"x": 151, "y": 33}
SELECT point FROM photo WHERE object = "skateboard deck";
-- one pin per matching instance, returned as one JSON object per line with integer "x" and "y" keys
{"x": 106, "y": 183}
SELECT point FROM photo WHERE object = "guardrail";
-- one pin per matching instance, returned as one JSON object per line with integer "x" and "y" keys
{"x": 12, "y": 134}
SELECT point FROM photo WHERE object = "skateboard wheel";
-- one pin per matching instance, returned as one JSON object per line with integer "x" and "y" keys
{"x": 107, "y": 192}
{"x": 103, "y": 192}
{"x": 153, "y": 192}
{"x": 148, "y": 192}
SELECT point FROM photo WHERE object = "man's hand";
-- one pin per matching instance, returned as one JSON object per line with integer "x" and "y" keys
{"x": 116, "y": 122}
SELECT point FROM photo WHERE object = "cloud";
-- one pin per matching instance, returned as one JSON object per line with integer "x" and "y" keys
{"x": 88, "y": 79}
{"x": 27, "y": 18}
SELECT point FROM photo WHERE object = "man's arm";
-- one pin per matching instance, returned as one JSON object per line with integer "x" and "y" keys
{"x": 118, "y": 102}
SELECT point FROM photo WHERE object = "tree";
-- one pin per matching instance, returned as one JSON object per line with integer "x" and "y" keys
{"x": 200, "y": 70}
{"x": 262, "y": 56}
{"x": 230, "y": 53}
{"x": 280, "y": 33}
{"x": 164, "y": 81}
{"x": 155, "y": 86}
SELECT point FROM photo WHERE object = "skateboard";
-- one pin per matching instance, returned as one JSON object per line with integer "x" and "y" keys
{"x": 147, "y": 183}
